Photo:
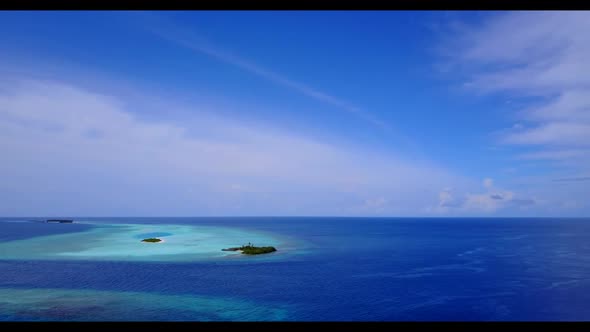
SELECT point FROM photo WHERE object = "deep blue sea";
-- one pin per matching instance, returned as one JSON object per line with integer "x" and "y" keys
{"x": 328, "y": 269}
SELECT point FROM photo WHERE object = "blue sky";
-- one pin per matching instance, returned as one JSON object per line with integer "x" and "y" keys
{"x": 294, "y": 113}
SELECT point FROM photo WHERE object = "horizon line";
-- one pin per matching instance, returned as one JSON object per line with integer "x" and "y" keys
{"x": 323, "y": 217}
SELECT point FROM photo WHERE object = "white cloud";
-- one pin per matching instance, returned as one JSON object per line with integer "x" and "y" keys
{"x": 570, "y": 105}
{"x": 491, "y": 200}
{"x": 445, "y": 197}
{"x": 376, "y": 202}
{"x": 374, "y": 206}
{"x": 533, "y": 52}
{"x": 538, "y": 55}
{"x": 553, "y": 134}
{"x": 558, "y": 154}
{"x": 488, "y": 201}
{"x": 68, "y": 150}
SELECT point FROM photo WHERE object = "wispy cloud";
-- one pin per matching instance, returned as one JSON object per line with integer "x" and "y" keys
{"x": 190, "y": 40}
{"x": 71, "y": 150}
{"x": 557, "y": 154}
{"x": 578, "y": 179}
{"x": 543, "y": 57}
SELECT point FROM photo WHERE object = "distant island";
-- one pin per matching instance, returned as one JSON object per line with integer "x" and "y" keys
{"x": 151, "y": 239}
{"x": 250, "y": 249}
{"x": 61, "y": 221}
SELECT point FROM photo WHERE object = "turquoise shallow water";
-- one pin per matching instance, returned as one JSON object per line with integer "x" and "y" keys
{"x": 92, "y": 305}
{"x": 122, "y": 242}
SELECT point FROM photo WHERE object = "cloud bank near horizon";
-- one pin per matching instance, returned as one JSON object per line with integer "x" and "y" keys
{"x": 69, "y": 150}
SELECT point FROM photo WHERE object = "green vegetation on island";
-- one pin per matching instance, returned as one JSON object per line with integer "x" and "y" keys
{"x": 151, "y": 239}
{"x": 250, "y": 249}
{"x": 61, "y": 221}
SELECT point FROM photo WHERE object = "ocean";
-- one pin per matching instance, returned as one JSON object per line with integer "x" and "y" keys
{"x": 325, "y": 269}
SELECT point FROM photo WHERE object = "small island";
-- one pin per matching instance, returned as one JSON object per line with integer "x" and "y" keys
{"x": 61, "y": 221}
{"x": 250, "y": 249}
{"x": 152, "y": 239}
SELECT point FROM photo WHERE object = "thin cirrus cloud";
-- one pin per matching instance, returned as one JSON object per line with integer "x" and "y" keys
{"x": 579, "y": 179}
{"x": 190, "y": 40}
